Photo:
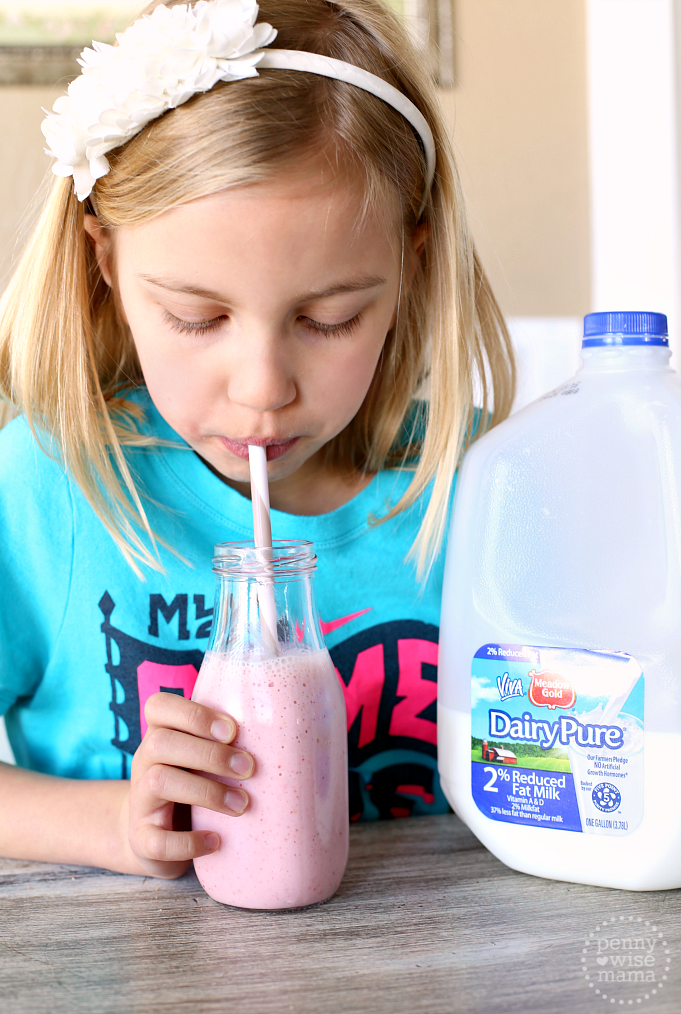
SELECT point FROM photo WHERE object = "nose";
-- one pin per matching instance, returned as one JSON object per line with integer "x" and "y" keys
{"x": 262, "y": 375}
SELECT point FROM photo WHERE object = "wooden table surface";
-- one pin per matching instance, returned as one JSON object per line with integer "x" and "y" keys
{"x": 426, "y": 920}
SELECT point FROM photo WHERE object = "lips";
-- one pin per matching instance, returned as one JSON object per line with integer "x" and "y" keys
{"x": 275, "y": 448}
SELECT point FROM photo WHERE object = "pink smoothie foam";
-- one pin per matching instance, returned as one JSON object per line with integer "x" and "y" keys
{"x": 290, "y": 847}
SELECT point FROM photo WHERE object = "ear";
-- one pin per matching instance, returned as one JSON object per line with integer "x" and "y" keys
{"x": 100, "y": 238}
{"x": 419, "y": 237}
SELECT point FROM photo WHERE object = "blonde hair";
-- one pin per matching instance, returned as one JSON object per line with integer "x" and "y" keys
{"x": 66, "y": 356}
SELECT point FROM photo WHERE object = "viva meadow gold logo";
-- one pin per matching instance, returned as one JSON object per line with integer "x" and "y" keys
{"x": 549, "y": 690}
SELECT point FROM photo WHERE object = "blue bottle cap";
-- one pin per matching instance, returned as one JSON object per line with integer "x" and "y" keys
{"x": 625, "y": 328}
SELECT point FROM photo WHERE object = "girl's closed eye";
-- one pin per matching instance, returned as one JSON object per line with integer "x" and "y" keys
{"x": 344, "y": 328}
{"x": 193, "y": 326}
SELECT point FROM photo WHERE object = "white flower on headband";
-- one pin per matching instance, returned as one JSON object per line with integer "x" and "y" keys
{"x": 160, "y": 61}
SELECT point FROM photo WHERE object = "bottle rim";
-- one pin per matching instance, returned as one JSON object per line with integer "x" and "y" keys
{"x": 626, "y": 340}
{"x": 288, "y": 558}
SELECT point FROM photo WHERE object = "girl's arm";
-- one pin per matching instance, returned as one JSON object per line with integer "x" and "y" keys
{"x": 62, "y": 820}
{"x": 130, "y": 827}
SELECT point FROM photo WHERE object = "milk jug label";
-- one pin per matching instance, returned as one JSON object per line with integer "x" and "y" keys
{"x": 557, "y": 737}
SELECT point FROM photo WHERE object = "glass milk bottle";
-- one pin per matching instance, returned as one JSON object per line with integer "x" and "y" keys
{"x": 290, "y": 847}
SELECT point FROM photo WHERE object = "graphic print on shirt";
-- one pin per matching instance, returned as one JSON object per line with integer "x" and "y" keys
{"x": 142, "y": 669}
{"x": 389, "y": 678}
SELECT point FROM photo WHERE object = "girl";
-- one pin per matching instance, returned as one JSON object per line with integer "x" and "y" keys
{"x": 238, "y": 251}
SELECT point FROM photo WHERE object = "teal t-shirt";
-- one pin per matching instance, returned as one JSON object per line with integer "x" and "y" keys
{"x": 84, "y": 641}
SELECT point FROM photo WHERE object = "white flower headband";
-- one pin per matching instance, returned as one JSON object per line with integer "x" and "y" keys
{"x": 163, "y": 59}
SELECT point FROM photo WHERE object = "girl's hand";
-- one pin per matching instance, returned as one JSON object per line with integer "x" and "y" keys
{"x": 182, "y": 735}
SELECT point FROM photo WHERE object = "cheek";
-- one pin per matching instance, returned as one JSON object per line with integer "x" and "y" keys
{"x": 161, "y": 360}
{"x": 342, "y": 387}
{"x": 158, "y": 364}
{"x": 175, "y": 384}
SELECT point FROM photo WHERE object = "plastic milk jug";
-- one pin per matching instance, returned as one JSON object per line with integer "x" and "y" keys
{"x": 559, "y": 714}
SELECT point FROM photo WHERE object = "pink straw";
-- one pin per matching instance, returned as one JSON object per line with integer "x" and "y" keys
{"x": 262, "y": 533}
{"x": 260, "y": 497}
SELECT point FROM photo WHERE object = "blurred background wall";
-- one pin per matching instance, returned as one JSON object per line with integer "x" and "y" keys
{"x": 519, "y": 116}
{"x": 564, "y": 115}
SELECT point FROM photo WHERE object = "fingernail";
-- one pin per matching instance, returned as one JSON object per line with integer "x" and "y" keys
{"x": 240, "y": 763}
{"x": 222, "y": 730}
{"x": 211, "y": 841}
{"x": 235, "y": 801}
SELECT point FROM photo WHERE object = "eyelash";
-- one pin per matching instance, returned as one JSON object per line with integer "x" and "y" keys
{"x": 205, "y": 326}
{"x": 345, "y": 328}
{"x": 192, "y": 327}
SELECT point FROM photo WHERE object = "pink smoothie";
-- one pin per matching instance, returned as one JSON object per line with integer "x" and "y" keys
{"x": 290, "y": 847}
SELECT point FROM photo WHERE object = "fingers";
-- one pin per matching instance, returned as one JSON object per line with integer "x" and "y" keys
{"x": 184, "y": 744}
{"x": 189, "y": 735}
{"x": 162, "y": 784}
{"x": 171, "y": 711}
{"x": 179, "y": 749}
{"x": 156, "y": 845}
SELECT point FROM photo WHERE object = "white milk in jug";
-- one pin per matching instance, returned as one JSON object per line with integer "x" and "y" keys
{"x": 559, "y": 711}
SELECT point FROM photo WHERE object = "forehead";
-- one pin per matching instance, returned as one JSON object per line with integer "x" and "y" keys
{"x": 299, "y": 230}
{"x": 305, "y": 190}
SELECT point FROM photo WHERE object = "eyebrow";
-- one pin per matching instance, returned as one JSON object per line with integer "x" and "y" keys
{"x": 352, "y": 285}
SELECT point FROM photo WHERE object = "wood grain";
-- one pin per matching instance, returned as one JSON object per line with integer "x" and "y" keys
{"x": 426, "y": 922}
